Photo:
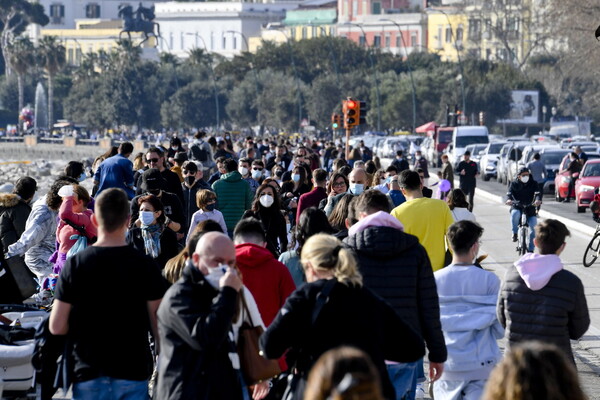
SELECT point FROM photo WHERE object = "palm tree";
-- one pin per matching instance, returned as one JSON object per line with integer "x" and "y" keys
{"x": 22, "y": 58}
{"x": 53, "y": 58}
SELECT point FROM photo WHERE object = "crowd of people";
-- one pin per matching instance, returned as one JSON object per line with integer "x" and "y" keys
{"x": 354, "y": 272}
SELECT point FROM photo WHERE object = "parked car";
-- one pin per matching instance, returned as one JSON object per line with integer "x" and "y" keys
{"x": 462, "y": 136}
{"x": 562, "y": 179}
{"x": 489, "y": 160}
{"x": 586, "y": 185}
{"x": 387, "y": 150}
{"x": 502, "y": 162}
{"x": 476, "y": 152}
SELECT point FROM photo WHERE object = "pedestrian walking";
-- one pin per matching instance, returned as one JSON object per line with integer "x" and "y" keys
{"x": 468, "y": 171}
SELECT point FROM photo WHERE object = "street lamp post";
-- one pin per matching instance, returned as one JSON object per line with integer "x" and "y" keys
{"x": 287, "y": 39}
{"x": 212, "y": 71}
{"x": 544, "y": 111}
{"x": 412, "y": 81}
{"x": 460, "y": 66}
{"x": 374, "y": 74}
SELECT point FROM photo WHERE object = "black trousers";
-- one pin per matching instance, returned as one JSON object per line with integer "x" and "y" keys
{"x": 469, "y": 191}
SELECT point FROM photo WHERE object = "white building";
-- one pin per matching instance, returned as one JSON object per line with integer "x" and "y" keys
{"x": 219, "y": 27}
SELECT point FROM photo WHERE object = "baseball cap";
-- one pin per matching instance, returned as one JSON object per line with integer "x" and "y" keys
{"x": 152, "y": 179}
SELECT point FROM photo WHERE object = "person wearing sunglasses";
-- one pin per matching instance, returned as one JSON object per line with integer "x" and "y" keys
{"x": 155, "y": 158}
{"x": 193, "y": 174}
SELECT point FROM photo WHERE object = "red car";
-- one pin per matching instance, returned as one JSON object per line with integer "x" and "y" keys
{"x": 561, "y": 181}
{"x": 586, "y": 185}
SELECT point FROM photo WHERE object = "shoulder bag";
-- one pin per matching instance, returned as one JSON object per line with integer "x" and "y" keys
{"x": 255, "y": 368}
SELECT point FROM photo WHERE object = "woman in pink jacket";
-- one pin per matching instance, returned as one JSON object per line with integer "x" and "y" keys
{"x": 73, "y": 213}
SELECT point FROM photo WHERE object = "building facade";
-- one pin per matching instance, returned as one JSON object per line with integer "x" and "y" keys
{"x": 220, "y": 27}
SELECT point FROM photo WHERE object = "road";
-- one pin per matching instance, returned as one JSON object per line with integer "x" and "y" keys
{"x": 496, "y": 242}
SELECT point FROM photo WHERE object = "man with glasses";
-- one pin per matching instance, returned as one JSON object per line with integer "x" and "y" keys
{"x": 192, "y": 183}
{"x": 155, "y": 159}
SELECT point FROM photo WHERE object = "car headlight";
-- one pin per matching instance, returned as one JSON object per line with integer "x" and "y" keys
{"x": 565, "y": 179}
{"x": 586, "y": 188}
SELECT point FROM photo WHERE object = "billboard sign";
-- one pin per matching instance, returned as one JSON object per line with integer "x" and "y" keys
{"x": 524, "y": 107}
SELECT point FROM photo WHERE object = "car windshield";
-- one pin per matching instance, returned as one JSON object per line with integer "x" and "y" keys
{"x": 591, "y": 170}
{"x": 552, "y": 158}
{"x": 495, "y": 148}
{"x": 464, "y": 141}
{"x": 444, "y": 136}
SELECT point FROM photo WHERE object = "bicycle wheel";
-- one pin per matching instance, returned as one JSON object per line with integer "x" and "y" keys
{"x": 591, "y": 252}
{"x": 522, "y": 240}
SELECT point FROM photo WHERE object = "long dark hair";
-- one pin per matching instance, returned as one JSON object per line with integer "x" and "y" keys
{"x": 257, "y": 207}
{"x": 312, "y": 221}
{"x": 457, "y": 198}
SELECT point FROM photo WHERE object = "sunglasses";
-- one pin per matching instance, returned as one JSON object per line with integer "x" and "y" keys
{"x": 257, "y": 169}
{"x": 189, "y": 172}
{"x": 152, "y": 160}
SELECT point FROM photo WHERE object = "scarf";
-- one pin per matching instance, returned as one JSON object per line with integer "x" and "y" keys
{"x": 151, "y": 235}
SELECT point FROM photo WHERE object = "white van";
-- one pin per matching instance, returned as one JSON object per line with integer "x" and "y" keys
{"x": 462, "y": 136}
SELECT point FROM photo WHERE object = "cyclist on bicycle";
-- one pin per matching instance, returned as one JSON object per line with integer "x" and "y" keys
{"x": 523, "y": 191}
{"x": 595, "y": 207}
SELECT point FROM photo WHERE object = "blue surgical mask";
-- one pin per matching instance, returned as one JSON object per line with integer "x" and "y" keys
{"x": 357, "y": 188}
{"x": 82, "y": 177}
{"x": 147, "y": 217}
{"x": 296, "y": 177}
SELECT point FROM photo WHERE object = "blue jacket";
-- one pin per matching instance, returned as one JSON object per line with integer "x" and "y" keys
{"x": 468, "y": 296}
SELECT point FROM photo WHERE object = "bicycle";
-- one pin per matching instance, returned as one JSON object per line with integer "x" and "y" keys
{"x": 523, "y": 227}
{"x": 593, "y": 249}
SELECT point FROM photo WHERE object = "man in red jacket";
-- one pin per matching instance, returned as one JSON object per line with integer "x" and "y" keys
{"x": 268, "y": 280}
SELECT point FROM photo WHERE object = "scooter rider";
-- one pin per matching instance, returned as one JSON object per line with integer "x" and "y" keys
{"x": 524, "y": 190}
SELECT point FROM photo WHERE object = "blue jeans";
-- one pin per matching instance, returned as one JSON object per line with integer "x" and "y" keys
{"x": 404, "y": 379}
{"x": 105, "y": 388}
{"x": 515, "y": 216}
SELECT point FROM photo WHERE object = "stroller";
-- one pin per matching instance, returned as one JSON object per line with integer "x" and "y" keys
{"x": 18, "y": 324}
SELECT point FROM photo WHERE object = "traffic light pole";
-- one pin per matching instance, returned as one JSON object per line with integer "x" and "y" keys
{"x": 348, "y": 131}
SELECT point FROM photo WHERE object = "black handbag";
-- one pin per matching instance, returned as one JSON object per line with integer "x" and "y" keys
{"x": 22, "y": 278}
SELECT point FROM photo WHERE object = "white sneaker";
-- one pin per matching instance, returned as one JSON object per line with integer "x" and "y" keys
{"x": 420, "y": 391}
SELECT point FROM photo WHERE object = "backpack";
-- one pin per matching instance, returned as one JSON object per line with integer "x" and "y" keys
{"x": 198, "y": 152}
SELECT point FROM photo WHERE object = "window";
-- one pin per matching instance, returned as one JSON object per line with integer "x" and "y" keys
{"x": 331, "y": 31}
{"x": 303, "y": 32}
{"x": 439, "y": 37}
{"x": 364, "y": 9}
{"x": 293, "y": 33}
{"x": 234, "y": 43}
{"x": 376, "y": 8}
{"x": 413, "y": 40}
{"x": 399, "y": 40}
{"x": 474, "y": 29}
{"x": 212, "y": 41}
{"x": 377, "y": 41}
{"x": 78, "y": 56}
{"x": 345, "y": 8}
{"x": 313, "y": 32}
{"x": 354, "y": 10}
{"x": 70, "y": 59}
{"x": 459, "y": 33}
{"x": 57, "y": 13}
{"x": 448, "y": 34}
{"x": 362, "y": 40}
{"x": 224, "y": 40}
{"x": 388, "y": 41}
{"x": 92, "y": 10}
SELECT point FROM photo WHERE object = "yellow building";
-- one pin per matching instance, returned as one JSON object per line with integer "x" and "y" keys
{"x": 92, "y": 36}
{"x": 446, "y": 33}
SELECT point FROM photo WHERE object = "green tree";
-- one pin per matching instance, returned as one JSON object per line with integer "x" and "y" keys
{"x": 53, "y": 58}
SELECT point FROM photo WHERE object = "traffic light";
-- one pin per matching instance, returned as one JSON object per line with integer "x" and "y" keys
{"x": 362, "y": 112}
{"x": 351, "y": 107}
{"x": 336, "y": 121}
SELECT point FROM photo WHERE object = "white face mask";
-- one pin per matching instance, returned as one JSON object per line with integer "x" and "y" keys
{"x": 266, "y": 200}
{"x": 256, "y": 174}
{"x": 418, "y": 157}
{"x": 215, "y": 274}
{"x": 525, "y": 179}
{"x": 147, "y": 217}
{"x": 243, "y": 171}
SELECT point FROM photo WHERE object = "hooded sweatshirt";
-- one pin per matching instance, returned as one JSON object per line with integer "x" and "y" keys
{"x": 537, "y": 270}
{"x": 268, "y": 280}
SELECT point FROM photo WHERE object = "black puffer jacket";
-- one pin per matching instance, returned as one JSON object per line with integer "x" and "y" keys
{"x": 396, "y": 267}
{"x": 555, "y": 314}
{"x": 13, "y": 216}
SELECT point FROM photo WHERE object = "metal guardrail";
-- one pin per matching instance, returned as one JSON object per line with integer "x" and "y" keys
{"x": 12, "y": 139}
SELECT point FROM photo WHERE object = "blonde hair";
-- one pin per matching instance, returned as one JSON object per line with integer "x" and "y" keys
{"x": 343, "y": 364}
{"x": 531, "y": 371}
{"x": 174, "y": 267}
{"x": 326, "y": 253}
